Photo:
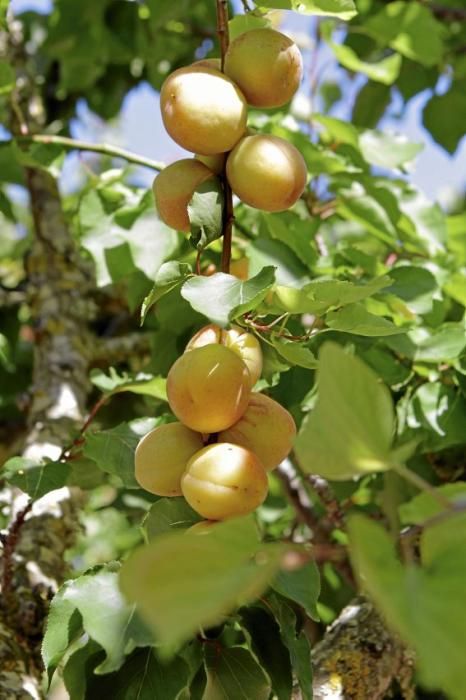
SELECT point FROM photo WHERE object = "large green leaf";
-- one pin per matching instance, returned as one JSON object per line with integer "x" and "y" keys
{"x": 233, "y": 673}
{"x": 206, "y": 213}
{"x": 295, "y": 640}
{"x": 452, "y": 103}
{"x": 384, "y": 71}
{"x": 184, "y": 580}
{"x": 269, "y": 649}
{"x": 93, "y": 603}
{"x": 7, "y": 78}
{"x": 349, "y": 432}
{"x": 143, "y": 677}
{"x": 355, "y": 318}
{"x": 35, "y": 479}
{"x": 320, "y": 296}
{"x": 411, "y": 29}
{"x": 301, "y": 586}
{"x": 422, "y": 604}
{"x": 388, "y": 150}
{"x": 343, "y": 9}
{"x": 113, "y": 451}
{"x": 170, "y": 275}
{"x": 223, "y": 298}
{"x": 141, "y": 383}
{"x": 167, "y": 514}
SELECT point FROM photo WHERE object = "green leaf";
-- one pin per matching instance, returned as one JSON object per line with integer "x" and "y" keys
{"x": 297, "y": 234}
{"x": 35, "y": 479}
{"x": 205, "y": 211}
{"x": 320, "y": 296}
{"x": 452, "y": 103}
{"x": 355, "y": 318}
{"x": 295, "y": 354}
{"x": 415, "y": 285}
{"x": 169, "y": 514}
{"x": 296, "y": 642}
{"x": 425, "y": 506}
{"x": 444, "y": 345}
{"x": 302, "y": 586}
{"x": 79, "y": 668}
{"x": 113, "y": 452}
{"x": 349, "y": 432}
{"x": 388, "y": 150}
{"x": 48, "y": 157}
{"x": 370, "y": 104}
{"x": 222, "y": 298}
{"x": 170, "y": 275}
{"x": 446, "y": 535}
{"x": 245, "y": 23}
{"x": 384, "y": 71}
{"x": 441, "y": 412}
{"x": 421, "y": 604}
{"x": 143, "y": 677}
{"x": 269, "y": 649}
{"x": 7, "y": 78}
{"x": 103, "y": 615}
{"x": 409, "y": 28}
{"x": 233, "y": 674}
{"x": 140, "y": 383}
{"x": 183, "y": 580}
{"x": 343, "y": 9}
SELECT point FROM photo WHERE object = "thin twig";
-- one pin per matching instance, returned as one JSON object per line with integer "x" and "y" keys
{"x": 66, "y": 451}
{"x": 102, "y": 148}
{"x": 9, "y": 546}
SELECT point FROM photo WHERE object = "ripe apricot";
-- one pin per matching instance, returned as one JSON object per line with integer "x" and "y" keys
{"x": 223, "y": 481}
{"x": 173, "y": 189}
{"x": 208, "y": 388}
{"x": 266, "y": 172}
{"x": 266, "y": 65}
{"x": 203, "y": 110}
{"x": 215, "y": 162}
{"x": 214, "y": 63}
{"x": 244, "y": 344}
{"x": 266, "y": 428}
{"x": 240, "y": 268}
{"x": 162, "y": 455}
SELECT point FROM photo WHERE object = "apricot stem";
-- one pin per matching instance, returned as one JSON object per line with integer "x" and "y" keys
{"x": 228, "y": 214}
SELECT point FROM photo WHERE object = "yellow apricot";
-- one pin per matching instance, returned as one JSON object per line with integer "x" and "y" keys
{"x": 223, "y": 481}
{"x": 215, "y": 162}
{"x": 240, "y": 268}
{"x": 162, "y": 455}
{"x": 173, "y": 189}
{"x": 266, "y": 428}
{"x": 214, "y": 63}
{"x": 203, "y": 110}
{"x": 266, "y": 172}
{"x": 244, "y": 344}
{"x": 266, "y": 65}
{"x": 208, "y": 388}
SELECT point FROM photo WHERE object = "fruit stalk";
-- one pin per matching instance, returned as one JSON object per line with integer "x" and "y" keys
{"x": 228, "y": 214}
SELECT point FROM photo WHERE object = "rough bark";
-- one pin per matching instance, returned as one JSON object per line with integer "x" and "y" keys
{"x": 359, "y": 659}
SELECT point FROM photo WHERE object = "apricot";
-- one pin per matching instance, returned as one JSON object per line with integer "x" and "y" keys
{"x": 266, "y": 65}
{"x": 162, "y": 455}
{"x": 203, "y": 110}
{"x": 240, "y": 268}
{"x": 173, "y": 189}
{"x": 223, "y": 481}
{"x": 215, "y": 162}
{"x": 244, "y": 344}
{"x": 208, "y": 388}
{"x": 266, "y": 428}
{"x": 266, "y": 172}
{"x": 214, "y": 63}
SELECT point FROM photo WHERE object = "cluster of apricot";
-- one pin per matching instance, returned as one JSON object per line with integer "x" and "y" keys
{"x": 228, "y": 436}
{"x": 205, "y": 111}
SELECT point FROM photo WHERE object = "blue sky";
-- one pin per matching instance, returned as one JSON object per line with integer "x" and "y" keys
{"x": 140, "y": 127}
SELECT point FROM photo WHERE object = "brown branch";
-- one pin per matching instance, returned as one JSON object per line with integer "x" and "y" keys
{"x": 228, "y": 212}
{"x": 9, "y": 545}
